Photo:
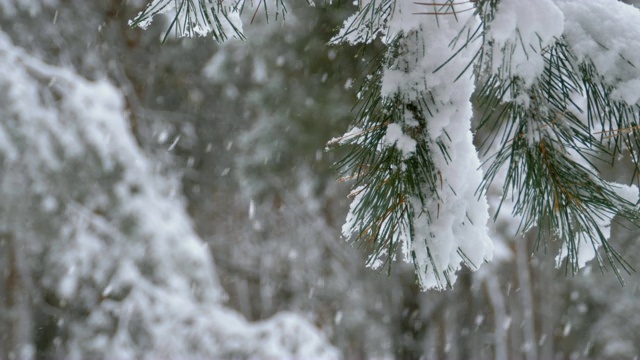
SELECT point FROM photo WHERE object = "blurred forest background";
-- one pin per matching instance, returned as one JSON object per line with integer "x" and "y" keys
{"x": 243, "y": 127}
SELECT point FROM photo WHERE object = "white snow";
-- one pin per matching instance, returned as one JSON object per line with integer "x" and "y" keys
{"x": 451, "y": 229}
{"x": 589, "y": 27}
{"x": 586, "y": 247}
{"x": 521, "y": 30}
{"x": 517, "y": 38}
{"x": 451, "y": 226}
{"x": 193, "y": 22}
{"x": 395, "y": 137}
{"x": 11, "y": 7}
{"x": 107, "y": 237}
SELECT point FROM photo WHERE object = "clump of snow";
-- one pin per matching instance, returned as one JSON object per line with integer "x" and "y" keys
{"x": 458, "y": 232}
{"x": 588, "y": 29}
{"x": 349, "y": 225}
{"x": 585, "y": 250}
{"x": 396, "y": 137}
{"x": 354, "y": 132}
{"x": 520, "y": 31}
{"x": 586, "y": 246}
{"x": 627, "y": 91}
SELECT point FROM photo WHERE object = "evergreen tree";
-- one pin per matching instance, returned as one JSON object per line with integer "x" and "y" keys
{"x": 99, "y": 256}
{"x": 557, "y": 92}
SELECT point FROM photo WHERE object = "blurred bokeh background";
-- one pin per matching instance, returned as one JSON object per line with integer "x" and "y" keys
{"x": 243, "y": 128}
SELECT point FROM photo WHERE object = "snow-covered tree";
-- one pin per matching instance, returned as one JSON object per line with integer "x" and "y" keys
{"x": 555, "y": 84}
{"x": 99, "y": 256}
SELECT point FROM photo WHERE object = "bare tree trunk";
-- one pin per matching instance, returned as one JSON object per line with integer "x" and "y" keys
{"x": 443, "y": 341}
{"x": 466, "y": 319}
{"x": 409, "y": 339}
{"x": 547, "y": 303}
{"x": 529, "y": 343}
{"x": 4, "y": 297}
{"x": 17, "y": 336}
{"x": 498, "y": 304}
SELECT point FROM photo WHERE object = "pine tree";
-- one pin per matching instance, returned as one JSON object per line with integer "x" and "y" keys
{"x": 555, "y": 88}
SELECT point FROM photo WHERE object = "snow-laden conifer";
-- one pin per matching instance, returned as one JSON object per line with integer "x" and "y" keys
{"x": 101, "y": 257}
{"x": 555, "y": 86}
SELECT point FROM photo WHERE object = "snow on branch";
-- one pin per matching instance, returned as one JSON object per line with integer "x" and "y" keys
{"x": 218, "y": 18}
{"x": 557, "y": 83}
{"x": 420, "y": 200}
{"x": 554, "y": 88}
{"x": 556, "y": 70}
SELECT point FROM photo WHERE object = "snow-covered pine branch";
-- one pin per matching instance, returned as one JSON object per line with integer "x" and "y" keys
{"x": 217, "y": 18}
{"x": 550, "y": 110}
{"x": 559, "y": 113}
{"x": 415, "y": 159}
{"x": 556, "y": 83}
